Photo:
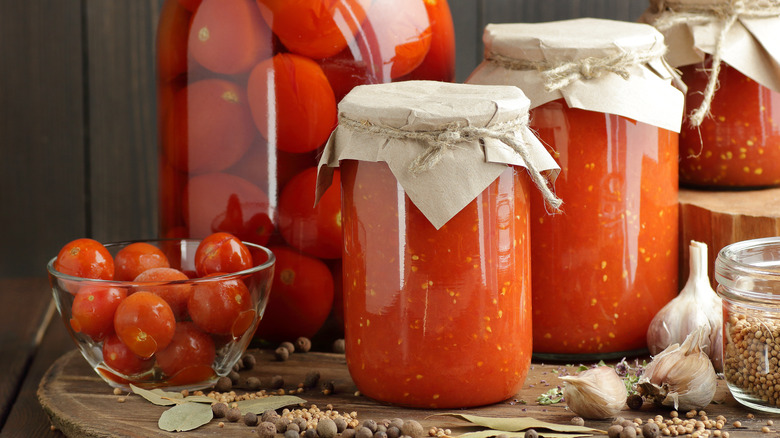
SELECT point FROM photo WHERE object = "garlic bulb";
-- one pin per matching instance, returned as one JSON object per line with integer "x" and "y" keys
{"x": 597, "y": 393}
{"x": 682, "y": 375}
{"x": 696, "y": 305}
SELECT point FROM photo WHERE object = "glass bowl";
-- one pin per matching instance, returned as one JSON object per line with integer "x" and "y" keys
{"x": 208, "y": 339}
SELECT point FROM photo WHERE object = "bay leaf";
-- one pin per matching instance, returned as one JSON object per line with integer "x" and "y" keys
{"x": 199, "y": 399}
{"x": 487, "y": 433}
{"x": 156, "y": 396}
{"x": 516, "y": 424}
{"x": 260, "y": 405}
{"x": 185, "y": 416}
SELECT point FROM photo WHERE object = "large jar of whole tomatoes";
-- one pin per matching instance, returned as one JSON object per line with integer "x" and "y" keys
{"x": 436, "y": 204}
{"x": 602, "y": 101}
{"x": 729, "y": 57}
{"x": 247, "y": 98}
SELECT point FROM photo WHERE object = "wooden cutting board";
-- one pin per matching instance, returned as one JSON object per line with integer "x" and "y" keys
{"x": 719, "y": 218}
{"x": 81, "y": 405}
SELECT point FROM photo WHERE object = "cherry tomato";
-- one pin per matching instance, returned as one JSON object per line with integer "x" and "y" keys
{"x": 172, "y": 31}
{"x": 221, "y": 202}
{"x": 301, "y": 297}
{"x": 92, "y": 312}
{"x": 85, "y": 258}
{"x": 305, "y": 111}
{"x": 256, "y": 166}
{"x": 216, "y": 305}
{"x": 221, "y": 252}
{"x": 314, "y": 229}
{"x": 190, "y": 347}
{"x": 314, "y": 28}
{"x": 209, "y": 126}
{"x": 345, "y": 72}
{"x": 229, "y": 37}
{"x": 400, "y": 40}
{"x": 136, "y": 258}
{"x": 119, "y": 358}
{"x": 439, "y": 63}
{"x": 176, "y": 295}
{"x": 145, "y": 323}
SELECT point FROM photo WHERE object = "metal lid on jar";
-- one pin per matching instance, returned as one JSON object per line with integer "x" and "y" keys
{"x": 749, "y": 271}
{"x": 445, "y": 143}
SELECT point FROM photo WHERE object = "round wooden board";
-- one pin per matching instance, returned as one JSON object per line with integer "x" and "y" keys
{"x": 719, "y": 218}
{"x": 81, "y": 404}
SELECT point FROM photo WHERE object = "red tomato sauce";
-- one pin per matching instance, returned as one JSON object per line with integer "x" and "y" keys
{"x": 739, "y": 146}
{"x": 435, "y": 318}
{"x": 604, "y": 267}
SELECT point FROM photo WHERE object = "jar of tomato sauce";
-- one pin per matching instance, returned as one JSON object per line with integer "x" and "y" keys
{"x": 731, "y": 138}
{"x": 247, "y": 93}
{"x": 436, "y": 207}
{"x": 602, "y": 101}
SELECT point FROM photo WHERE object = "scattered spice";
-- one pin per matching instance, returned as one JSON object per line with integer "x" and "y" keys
{"x": 282, "y": 354}
{"x": 233, "y": 415}
{"x": 250, "y": 419}
{"x": 303, "y": 344}
{"x": 223, "y": 384}
{"x": 289, "y": 346}
{"x": 311, "y": 379}
{"x": 339, "y": 346}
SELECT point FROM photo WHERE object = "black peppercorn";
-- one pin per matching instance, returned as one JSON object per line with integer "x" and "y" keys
{"x": 310, "y": 433}
{"x": 634, "y": 402}
{"x": 413, "y": 429}
{"x": 288, "y": 346}
{"x": 311, "y": 379}
{"x": 219, "y": 409}
{"x": 281, "y": 354}
{"x": 233, "y": 415}
{"x": 371, "y": 425}
{"x": 530, "y": 433}
{"x": 393, "y": 432}
{"x": 326, "y": 428}
{"x": 269, "y": 415}
{"x": 248, "y": 362}
{"x": 341, "y": 424}
{"x": 276, "y": 382}
{"x": 266, "y": 430}
{"x": 303, "y": 344}
{"x": 364, "y": 432}
{"x": 291, "y": 434}
{"x": 252, "y": 383}
{"x": 224, "y": 384}
{"x": 250, "y": 419}
{"x": 348, "y": 433}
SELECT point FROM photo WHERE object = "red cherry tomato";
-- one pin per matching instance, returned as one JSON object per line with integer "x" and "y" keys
{"x": 145, "y": 323}
{"x": 172, "y": 31}
{"x": 221, "y": 252}
{"x": 209, "y": 126}
{"x": 229, "y": 37}
{"x": 93, "y": 310}
{"x": 439, "y": 63}
{"x": 314, "y": 28}
{"x": 314, "y": 229}
{"x": 176, "y": 295}
{"x": 85, "y": 258}
{"x": 190, "y": 347}
{"x": 221, "y": 202}
{"x": 400, "y": 40}
{"x": 119, "y": 358}
{"x": 256, "y": 166}
{"x": 136, "y": 258}
{"x": 305, "y": 107}
{"x": 301, "y": 297}
{"x": 215, "y": 306}
{"x": 344, "y": 72}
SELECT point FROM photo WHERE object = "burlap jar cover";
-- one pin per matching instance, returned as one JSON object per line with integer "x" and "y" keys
{"x": 742, "y": 33}
{"x": 445, "y": 143}
{"x": 618, "y": 68}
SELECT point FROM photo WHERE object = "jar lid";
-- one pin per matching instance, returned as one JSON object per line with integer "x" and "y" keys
{"x": 594, "y": 64}
{"x": 445, "y": 143}
{"x": 569, "y": 40}
{"x": 749, "y": 271}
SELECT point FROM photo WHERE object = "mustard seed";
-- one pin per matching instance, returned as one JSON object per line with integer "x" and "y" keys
{"x": 118, "y": 391}
{"x": 737, "y": 424}
{"x": 303, "y": 344}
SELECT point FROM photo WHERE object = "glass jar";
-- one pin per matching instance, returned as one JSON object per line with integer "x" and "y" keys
{"x": 436, "y": 240}
{"x": 748, "y": 276}
{"x": 739, "y": 146}
{"x": 603, "y": 267}
{"x": 247, "y": 93}
{"x": 460, "y": 294}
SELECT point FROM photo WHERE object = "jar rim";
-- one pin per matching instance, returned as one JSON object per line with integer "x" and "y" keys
{"x": 750, "y": 270}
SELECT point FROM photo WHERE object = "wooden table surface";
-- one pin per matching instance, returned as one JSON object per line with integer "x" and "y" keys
{"x": 33, "y": 339}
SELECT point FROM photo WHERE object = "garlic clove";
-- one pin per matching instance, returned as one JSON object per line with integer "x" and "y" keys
{"x": 696, "y": 305}
{"x": 682, "y": 375}
{"x": 596, "y": 393}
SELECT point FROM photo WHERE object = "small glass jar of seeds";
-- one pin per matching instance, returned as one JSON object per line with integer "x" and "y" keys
{"x": 748, "y": 275}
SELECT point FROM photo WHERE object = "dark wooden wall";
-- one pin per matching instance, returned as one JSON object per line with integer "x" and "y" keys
{"x": 77, "y": 113}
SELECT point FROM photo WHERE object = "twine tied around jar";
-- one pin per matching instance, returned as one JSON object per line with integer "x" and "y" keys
{"x": 725, "y": 13}
{"x": 513, "y": 133}
{"x": 557, "y": 75}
